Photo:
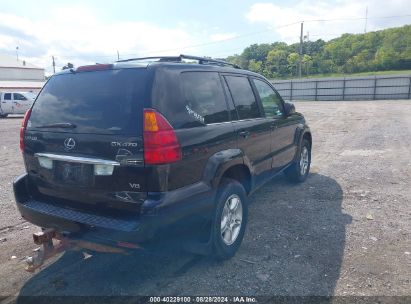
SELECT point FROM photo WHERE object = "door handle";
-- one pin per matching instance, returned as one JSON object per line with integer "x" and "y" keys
{"x": 244, "y": 134}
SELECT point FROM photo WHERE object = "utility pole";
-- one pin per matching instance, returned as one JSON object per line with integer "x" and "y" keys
{"x": 54, "y": 65}
{"x": 17, "y": 53}
{"x": 300, "y": 63}
{"x": 366, "y": 19}
{"x": 118, "y": 55}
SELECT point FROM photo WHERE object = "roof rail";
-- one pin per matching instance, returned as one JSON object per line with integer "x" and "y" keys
{"x": 201, "y": 60}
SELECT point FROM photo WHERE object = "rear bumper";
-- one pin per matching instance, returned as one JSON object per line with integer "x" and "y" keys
{"x": 159, "y": 211}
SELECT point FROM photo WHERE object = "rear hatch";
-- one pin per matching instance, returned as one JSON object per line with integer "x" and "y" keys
{"x": 83, "y": 142}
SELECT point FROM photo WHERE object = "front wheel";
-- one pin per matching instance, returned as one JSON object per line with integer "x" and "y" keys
{"x": 299, "y": 170}
{"x": 230, "y": 219}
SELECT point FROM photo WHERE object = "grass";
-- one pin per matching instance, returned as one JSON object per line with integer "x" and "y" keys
{"x": 392, "y": 72}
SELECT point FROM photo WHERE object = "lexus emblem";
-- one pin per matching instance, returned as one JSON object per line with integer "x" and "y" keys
{"x": 69, "y": 143}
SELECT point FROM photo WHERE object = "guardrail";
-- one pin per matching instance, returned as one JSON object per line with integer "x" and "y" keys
{"x": 346, "y": 88}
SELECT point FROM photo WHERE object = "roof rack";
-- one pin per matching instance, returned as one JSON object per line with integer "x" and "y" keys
{"x": 201, "y": 60}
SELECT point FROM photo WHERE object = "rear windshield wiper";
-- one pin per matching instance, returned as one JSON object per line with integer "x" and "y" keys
{"x": 66, "y": 125}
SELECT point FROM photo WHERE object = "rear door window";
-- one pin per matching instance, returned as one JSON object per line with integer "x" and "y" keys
{"x": 204, "y": 97}
{"x": 231, "y": 107}
{"x": 7, "y": 96}
{"x": 243, "y": 97}
{"x": 104, "y": 102}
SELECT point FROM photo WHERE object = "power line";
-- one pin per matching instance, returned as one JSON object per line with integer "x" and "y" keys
{"x": 352, "y": 19}
{"x": 222, "y": 40}
{"x": 366, "y": 19}
{"x": 255, "y": 33}
{"x": 269, "y": 30}
{"x": 226, "y": 53}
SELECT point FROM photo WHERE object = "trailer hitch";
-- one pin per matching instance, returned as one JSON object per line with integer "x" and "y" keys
{"x": 54, "y": 243}
{"x": 44, "y": 238}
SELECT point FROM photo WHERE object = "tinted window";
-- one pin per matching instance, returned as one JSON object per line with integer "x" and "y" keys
{"x": 243, "y": 97}
{"x": 96, "y": 102}
{"x": 204, "y": 97}
{"x": 18, "y": 96}
{"x": 7, "y": 96}
{"x": 271, "y": 101}
{"x": 231, "y": 107}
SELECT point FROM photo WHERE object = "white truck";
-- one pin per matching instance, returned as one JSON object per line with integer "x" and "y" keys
{"x": 15, "y": 102}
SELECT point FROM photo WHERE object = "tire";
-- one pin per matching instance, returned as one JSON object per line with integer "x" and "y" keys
{"x": 3, "y": 115}
{"x": 225, "y": 244}
{"x": 299, "y": 170}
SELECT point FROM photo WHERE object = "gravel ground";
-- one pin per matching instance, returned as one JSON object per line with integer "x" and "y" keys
{"x": 345, "y": 231}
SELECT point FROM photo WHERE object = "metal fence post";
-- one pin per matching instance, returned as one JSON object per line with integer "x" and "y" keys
{"x": 343, "y": 93}
{"x": 291, "y": 90}
{"x": 316, "y": 90}
{"x": 409, "y": 89}
{"x": 375, "y": 88}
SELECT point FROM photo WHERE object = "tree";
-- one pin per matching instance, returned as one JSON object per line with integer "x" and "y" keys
{"x": 68, "y": 66}
{"x": 238, "y": 60}
{"x": 293, "y": 62}
{"x": 255, "y": 66}
{"x": 307, "y": 62}
{"x": 385, "y": 58}
{"x": 350, "y": 53}
{"x": 276, "y": 63}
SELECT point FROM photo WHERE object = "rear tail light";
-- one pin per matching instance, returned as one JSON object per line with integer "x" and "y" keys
{"x": 23, "y": 129}
{"x": 161, "y": 145}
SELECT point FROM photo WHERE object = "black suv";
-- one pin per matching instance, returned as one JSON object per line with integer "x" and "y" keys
{"x": 119, "y": 153}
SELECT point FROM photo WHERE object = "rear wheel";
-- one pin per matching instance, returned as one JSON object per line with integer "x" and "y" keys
{"x": 230, "y": 219}
{"x": 299, "y": 170}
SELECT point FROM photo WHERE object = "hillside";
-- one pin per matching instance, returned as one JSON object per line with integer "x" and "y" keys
{"x": 384, "y": 50}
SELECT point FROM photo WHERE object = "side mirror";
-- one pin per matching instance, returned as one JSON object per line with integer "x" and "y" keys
{"x": 289, "y": 108}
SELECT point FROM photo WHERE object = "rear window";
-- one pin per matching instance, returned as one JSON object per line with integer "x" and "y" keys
{"x": 104, "y": 102}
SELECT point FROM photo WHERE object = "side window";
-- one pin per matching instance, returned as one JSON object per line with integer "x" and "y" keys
{"x": 271, "y": 101}
{"x": 18, "y": 96}
{"x": 231, "y": 107}
{"x": 7, "y": 96}
{"x": 204, "y": 97}
{"x": 243, "y": 97}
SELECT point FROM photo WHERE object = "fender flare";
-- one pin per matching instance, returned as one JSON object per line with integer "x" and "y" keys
{"x": 219, "y": 162}
{"x": 302, "y": 129}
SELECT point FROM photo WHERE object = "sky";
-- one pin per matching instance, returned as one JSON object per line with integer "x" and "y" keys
{"x": 86, "y": 32}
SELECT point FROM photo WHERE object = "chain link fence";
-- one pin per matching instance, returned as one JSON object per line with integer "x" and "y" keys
{"x": 346, "y": 88}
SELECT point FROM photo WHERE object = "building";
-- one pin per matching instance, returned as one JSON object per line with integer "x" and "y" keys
{"x": 19, "y": 75}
